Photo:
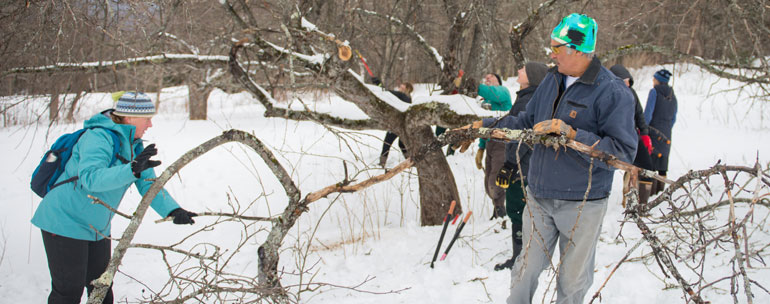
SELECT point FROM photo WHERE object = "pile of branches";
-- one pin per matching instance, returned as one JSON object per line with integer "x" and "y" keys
{"x": 706, "y": 230}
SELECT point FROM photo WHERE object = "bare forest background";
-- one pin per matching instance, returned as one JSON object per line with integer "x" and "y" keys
{"x": 40, "y": 33}
{"x": 274, "y": 48}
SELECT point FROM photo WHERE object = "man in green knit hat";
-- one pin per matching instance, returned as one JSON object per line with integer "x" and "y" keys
{"x": 568, "y": 191}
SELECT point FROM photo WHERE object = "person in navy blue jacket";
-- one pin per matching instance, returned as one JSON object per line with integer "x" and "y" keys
{"x": 660, "y": 114}
{"x": 568, "y": 191}
{"x": 644, "y": 150}
{"x": 517, "y": 159}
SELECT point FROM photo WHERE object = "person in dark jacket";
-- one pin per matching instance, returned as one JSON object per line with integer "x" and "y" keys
{"x": 74, "y": 229}
{"x": 644, "y": 147}
{"x": 568, "y": 191}
{"x": 508, "y": 178}
{"x": 404, "y": 91}
{"x": 660, "y": 115}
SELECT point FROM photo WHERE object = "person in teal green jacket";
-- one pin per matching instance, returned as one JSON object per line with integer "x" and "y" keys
{"x": 496, "y": 98}
{"x": 74, "y": 229}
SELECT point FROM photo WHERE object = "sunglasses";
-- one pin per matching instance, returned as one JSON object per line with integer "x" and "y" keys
{"x": 556, "y": 48}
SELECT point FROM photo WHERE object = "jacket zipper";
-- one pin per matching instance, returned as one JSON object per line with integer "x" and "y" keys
{"x": 553, "y": 114}
{"x": 131, "y": 145}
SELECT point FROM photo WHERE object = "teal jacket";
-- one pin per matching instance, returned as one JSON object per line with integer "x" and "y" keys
{"x": 67, "y": 211}
{"x": 498, "y": 97}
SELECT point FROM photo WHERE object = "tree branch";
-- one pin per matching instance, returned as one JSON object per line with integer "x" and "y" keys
{"x": 438, "y": 60}
{"x": 105, "y": 280}
{"x": 762, "y": 77}
{"x": 271, "y": 111}
{"x": 114, "y": 65}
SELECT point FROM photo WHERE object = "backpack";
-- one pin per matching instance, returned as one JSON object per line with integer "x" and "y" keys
{"x": 52, "y": 164}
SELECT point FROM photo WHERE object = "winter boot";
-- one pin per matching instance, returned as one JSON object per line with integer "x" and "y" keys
{"x": 505, "y": 265}
{"x": 657, "y": 186}
{"x": 508, "y": 264}
{"x": 645, "y": 188}
{"x": 661, "y": 185}
{"x": 499, "y": 212}
{"x": 654, "y": 187}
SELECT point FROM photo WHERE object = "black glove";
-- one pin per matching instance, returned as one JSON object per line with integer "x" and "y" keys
{"x": 376, "y": 81}
{"x": 503, "y": 179}
{"x": 182, "y": 216}
{"x": 142, "y": 161}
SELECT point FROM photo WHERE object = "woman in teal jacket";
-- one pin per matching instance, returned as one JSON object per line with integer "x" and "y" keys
{"x": 74, "y": 229}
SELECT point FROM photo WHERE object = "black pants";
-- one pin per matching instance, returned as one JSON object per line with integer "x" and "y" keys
{"x": 389, "y": 139}
{"x": 517, "y": 233}
{"x": 73, "y": 265}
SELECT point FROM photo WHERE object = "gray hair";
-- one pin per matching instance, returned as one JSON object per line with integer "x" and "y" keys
{"x": 587, "y": 55}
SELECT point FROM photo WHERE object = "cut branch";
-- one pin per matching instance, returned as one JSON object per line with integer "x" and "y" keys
{"x": 345, "y": 188}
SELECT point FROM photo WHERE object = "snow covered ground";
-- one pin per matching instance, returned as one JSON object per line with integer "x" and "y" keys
{"x": 371, "y": 237}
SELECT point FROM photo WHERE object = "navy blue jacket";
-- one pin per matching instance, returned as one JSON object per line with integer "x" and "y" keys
{"x": 660, "y": 114}
{"x": 511, "y": 160}
{"x": 601, "y": 109}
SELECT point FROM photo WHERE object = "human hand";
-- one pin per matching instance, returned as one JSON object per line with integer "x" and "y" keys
{"x": 479, "y": 158}
{"x": 142, "y": 161}
{"x": 503, "y": 178}
{"x": 458, "y": 80}
{"x": 554, "y": 126}
{"x": 647, "y": 143}
{"x": 182, "y": 216}
{"x": 463, "y": 145}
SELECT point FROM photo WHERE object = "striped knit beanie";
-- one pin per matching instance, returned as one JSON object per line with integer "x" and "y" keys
{"x": 663, "y": 76}
{"x": 134, "y": 104}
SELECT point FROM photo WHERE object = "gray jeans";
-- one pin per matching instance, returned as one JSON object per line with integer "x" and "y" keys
{"x": 545, "y": 221}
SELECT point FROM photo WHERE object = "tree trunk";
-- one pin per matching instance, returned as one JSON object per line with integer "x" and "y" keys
{"x": 437, "y": 183}
{"x": 53, "y": 106}
{"x": 71, "y": 111}
{"x": 517, "y": 49}
{"x": 476, "y": 63}
{"x": 198, "y": 105}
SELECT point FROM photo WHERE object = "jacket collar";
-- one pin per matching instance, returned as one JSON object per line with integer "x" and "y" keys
{"x": 588, "y": 77}
{"x": 526, "y": 90}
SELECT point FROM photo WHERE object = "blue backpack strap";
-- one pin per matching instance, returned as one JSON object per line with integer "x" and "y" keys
{"x": 115, "y": 147}
{"x": 138, "y": 149}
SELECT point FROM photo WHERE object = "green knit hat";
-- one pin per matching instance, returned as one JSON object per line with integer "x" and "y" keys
{"x": 578, "y": 31}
